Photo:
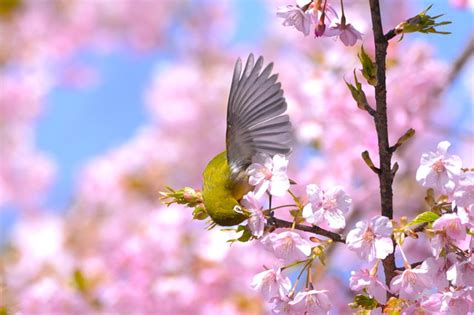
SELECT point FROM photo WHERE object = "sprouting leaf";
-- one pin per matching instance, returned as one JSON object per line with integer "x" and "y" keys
{"x": 422, "y": 23}
{"x": 425, "y": 217}
{"x": 365, "y": 302}
{"x": 369, "y": 69}
{"x": 246, "y": 234}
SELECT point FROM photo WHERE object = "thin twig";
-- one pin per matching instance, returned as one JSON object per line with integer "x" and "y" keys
{"x": 414, "y": 265}
{"x": 391, "y": 34}
{"x": 460, "y": 61}
{"x": 312, "y": 229}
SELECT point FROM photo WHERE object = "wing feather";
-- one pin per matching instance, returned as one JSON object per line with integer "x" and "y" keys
{"x": 255, "y": 123}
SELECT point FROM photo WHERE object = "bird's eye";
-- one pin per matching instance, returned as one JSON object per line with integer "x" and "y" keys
{"x": 238, "y": 209}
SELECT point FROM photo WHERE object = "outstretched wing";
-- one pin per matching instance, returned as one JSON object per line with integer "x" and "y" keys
{"x": 255, "y": 123}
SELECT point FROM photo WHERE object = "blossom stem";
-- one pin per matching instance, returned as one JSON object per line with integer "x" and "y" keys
{"x": 299, "y": 276}
{"x": 381, "y": 126}
{"x": 343, "y": 16}
{"x": 308, "y": 277}
{"x": 373, "y": 271}
{"x": 296, "y": 263}
{"x": 405, "y": 260}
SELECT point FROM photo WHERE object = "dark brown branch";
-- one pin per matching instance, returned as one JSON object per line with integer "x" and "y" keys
{"x": 390, "y": 34}
{"x": 368, "y": 108}
{"x": 385, "y": 154}
{"x": 312, "y": 229}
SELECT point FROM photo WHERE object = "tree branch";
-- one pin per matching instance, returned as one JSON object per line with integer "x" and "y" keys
{"x": 414, "y": 265}
{"x": 461, "y": 61}
{"x": 312, "y": 229}
{"x": 391, "y": 34}
{"x": 380, "y": 118}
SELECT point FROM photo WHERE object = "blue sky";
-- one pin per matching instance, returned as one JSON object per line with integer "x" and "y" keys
{"x": 78, "y": 124}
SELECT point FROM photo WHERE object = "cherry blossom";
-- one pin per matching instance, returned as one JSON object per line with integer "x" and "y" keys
{"x": 287, "y": 245}
{"x": 282, "y": 306}
{"x": 345, "y": 32}
{"x": 436, "y": 271}
{"x": 449, "y": 229}
{"x": 326, "y": 206}
{"x": 451, "y": 225}
{"x": 311, "y": 302}
{"x": 115, "y": 229}
{"x": 271, "y": 283}
{"x": 438, "y": 170}
{"x": 294, "y": 16}
{"x": 363, "y": 279}
{"x": 459, "y": 301}
{"x": 431, "y": 303}
{"x": 411, "y": 283}
{"x": 266, "y": 173}
{"x": 257, "y": 220}
{"x": 371, "y": 239}
{"x": 461, "y": 273}
{"x": 464, "y": 194}
{"x": 466, "y": 215}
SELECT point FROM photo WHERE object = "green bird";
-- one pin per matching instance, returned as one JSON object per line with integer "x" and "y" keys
{"x": 255, "y": 124}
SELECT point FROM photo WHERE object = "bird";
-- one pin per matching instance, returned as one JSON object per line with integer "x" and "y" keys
{"x": 256, "y": 124}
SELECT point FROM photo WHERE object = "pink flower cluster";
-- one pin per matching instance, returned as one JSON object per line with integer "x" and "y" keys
{"x": 307, "y": 14}
{"x": 117, "y": 250}
{"x": 290, "y": 247}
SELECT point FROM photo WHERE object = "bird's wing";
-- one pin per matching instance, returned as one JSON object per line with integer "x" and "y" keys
{"x": 255, "y": 123}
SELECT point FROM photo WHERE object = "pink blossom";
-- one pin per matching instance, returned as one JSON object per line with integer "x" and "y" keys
{"x": 411, "y": 283}
{"x": 311, "y": 302}
{"x": 371, "y": 239}
{"x": 287, "y": 245}
{"x": 363, "y": 279}
{"x": 271, "y": 283}
{"x": 269, "y": 174}
{"x": 466, "y": 215}
{"x": 431, "y": 303}
{"x": 451, "y": 225}
{"x": 461, "y": 273}
{"x": 449, "y": 228}
{"x": 327, "y": 11}
{"x": 346, "y": 33}
{"x": 326, "y": 206}
{"x": 257, "y": 220}
{"x": 436, "y": 271}
{"x": 320, "y": 29}
{"x": 294, "y": 16}
{"x": 282, "y": 306}
{"x": 458, "y": 301}
{"x": 464, "y": 194}
{"x": 438, "y": 170}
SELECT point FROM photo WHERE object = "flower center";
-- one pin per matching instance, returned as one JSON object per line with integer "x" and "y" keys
{"x": 410, "y": 277}
{"x": 438, "y": 166}
{"x": 369, "y": 235}
{"x": 288, "y": 244}
{"x": 268, "y": 174}
{"x": 453, "y": 226}
{"x": 329, "y": 204}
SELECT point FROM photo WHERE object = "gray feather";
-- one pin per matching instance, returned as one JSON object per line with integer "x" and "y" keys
{"x": 255, "y": 123}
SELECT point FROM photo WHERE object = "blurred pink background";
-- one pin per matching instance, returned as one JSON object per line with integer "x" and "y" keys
{"x": 104, "y": 102}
